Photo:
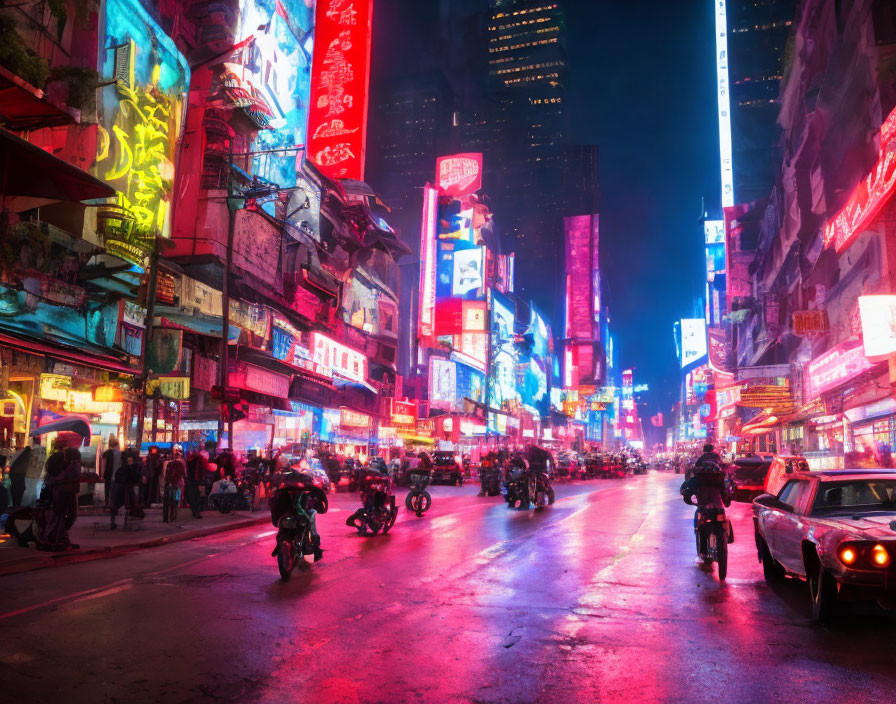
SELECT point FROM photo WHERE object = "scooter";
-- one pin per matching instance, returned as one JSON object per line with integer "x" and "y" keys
{"x": 295, "y": 504}
{"x": 418, "y": 499}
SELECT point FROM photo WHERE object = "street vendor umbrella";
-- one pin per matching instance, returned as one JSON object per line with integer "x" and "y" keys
{"x": 71, "y": 424}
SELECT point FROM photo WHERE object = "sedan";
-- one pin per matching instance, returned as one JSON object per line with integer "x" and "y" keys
{"x": 834, "y": 530}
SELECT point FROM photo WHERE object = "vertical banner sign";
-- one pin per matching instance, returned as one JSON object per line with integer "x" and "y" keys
{"x": 724, "y": 95}
{"x": 428, "y": 262}
{"x": 337, "y": 123}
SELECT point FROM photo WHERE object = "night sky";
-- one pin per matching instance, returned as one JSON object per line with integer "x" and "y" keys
{"x": 642, "y": 87}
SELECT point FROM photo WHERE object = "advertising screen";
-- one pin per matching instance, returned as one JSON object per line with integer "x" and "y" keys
{"x": 337, "y": 124}
{"x": 442, "y": 383}
{"x": 503, "y": 383}
{"x": 140, "y": 116}
{"x": 581, "y": 264}
{"x": 460, "y": 271}
{"x": 878, "y": 316}
{"x": 428, "y": 263}
{"x": 470, "y": 384}
{"x": 693, "y": 341}
{"x": 269, "y": 78}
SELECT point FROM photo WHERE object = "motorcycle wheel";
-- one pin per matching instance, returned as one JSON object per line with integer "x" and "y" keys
{"x": 373, "y": 527}
{"x": 421, "y": 505}
{"x": 410, "y": 500}
{"x": 390, "y": 521}
{"x": 286, "y": 559}
{"x": 721, "y": 538}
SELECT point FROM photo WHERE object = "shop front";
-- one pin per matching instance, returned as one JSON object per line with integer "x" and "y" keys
{"x": 297, "y": 430}
{"x": 873, "y": 435}
{"x": 348, "y": 433}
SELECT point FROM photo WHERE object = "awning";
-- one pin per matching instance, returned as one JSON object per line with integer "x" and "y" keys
{"x": 24, "y": 107}
{"x": 208, "y": 325}
{"x": 28, "y": 171}
{"x": 66, "y": 354}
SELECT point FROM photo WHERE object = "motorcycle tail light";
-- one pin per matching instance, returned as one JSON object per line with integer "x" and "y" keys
{"x": 879, "y": 556}
{"x": 848, "y": 555}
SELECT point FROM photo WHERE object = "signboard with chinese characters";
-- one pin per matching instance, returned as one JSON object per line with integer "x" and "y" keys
{"x": 353, "y": 419}
{"x": 404, "y": 412}
{"x": 337, "y": 123}
{"x": 172, "y": 387}
{"x": 459, "y": 175}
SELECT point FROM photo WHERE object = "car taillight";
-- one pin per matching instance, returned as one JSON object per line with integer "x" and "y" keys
{"x": 879, "y": 556}
{"x": 848, "y": 555}
{"x": 317, "y": 482}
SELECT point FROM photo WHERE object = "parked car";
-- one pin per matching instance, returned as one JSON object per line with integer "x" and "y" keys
{"x": 446, "y": 470}
{"x": 748, "y": 476}
{"x": 781, "y": 468}
{"x": 836, "y": 531}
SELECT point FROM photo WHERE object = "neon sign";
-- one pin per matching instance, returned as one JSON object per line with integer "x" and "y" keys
{"x": 459, "y": 175}
{"x": 428, "y": 263}
{"x": 337, "y": 123}
{"x": 724, "y": 97}
{"x": 140, "y": 121}
{"x": 870, "y": 195}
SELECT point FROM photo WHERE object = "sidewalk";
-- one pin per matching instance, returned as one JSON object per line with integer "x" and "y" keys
{"x": 91, "y": 532}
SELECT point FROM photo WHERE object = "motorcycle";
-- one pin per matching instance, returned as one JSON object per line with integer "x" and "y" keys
{"x": 418, "y": 499}
{"x": 712, "y": 528}
{"x": 378, "y": 511}
{"x": 490, "y": 479}
{"x": 295, "y": 503}
{"x": 526, "y": 486}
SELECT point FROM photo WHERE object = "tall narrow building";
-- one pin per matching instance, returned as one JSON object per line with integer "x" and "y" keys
{"x": 758, "y": 33}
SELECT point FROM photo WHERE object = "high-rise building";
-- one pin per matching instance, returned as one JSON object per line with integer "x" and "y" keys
{"x": 412, "y": 120}
{"x": 758, "y": 32}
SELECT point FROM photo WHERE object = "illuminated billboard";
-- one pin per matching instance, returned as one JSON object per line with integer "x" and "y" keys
{"x": 723, "y": 92}
{"x": 442, "y": 383}
{"x": 337, "y": 124}
{"x": 460, "y": 271}
{"x": 459, "y": 175}
{"x": 268, "y": 77}
{"x": 582, "y": 300}
{"x": 693, "y": 341}
{"x": 344, "y": 361}
{"x": 878, "y": 315}
{"x": 140, "y": 115}
{"x": 502, "y": 390}
{"x": 428, "y": 263}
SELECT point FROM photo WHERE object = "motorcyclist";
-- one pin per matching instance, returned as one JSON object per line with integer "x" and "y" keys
{"x": 707, "y": 484}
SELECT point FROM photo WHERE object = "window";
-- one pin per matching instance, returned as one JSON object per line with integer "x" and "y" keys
{"x": 863, "y": 494}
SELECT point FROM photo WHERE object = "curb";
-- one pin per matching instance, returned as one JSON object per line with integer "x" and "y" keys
{"x": 45, "y": 560}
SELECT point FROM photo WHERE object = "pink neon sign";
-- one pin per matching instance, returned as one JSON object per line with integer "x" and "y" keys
{"x": 870, "y": 195}
{"x": 836, "y": 366}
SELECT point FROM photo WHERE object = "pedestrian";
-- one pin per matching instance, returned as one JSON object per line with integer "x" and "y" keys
{"x": 18, "y": 470}
{"x": 175, "y": 477}
{"x": 127, "y": 480}
{"x": 197, "y": 474}
{"x": 63, "y": 481}
{"x": 111, "y": 464}
{"x": 153, "y": 469}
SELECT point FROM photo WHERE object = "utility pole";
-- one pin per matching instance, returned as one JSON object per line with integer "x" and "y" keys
{"x": 223, "y": 363}
{"x": 152, "y": 285}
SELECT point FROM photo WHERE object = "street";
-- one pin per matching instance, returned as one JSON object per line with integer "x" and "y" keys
{"x": 596, "y": 599}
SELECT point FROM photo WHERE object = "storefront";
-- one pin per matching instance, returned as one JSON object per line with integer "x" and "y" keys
{"x": 348, "y": 433}
{"x": 297, "y": 430}
{"x": 872, "y": 428}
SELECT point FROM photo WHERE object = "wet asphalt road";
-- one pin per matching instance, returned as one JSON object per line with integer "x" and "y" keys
{"x": 596, "y": 599}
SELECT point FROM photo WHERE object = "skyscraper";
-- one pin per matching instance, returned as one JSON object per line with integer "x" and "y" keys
{"x": 758, "y": 32}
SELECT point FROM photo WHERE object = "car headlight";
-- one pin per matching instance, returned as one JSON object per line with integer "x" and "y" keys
{"x": 879, "y": 556}
{"x": 848, "y": 555}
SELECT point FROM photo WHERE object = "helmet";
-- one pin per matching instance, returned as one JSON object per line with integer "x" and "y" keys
{"x": 177, "y": 448}
{"x": 707, "y": 448}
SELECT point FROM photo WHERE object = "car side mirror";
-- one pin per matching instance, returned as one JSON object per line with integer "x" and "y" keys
{"x": 772, "y": 501}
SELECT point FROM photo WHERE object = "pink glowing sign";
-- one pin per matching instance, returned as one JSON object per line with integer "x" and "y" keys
{"x": 835, "y": 367}
{"x": 870, "y": 195}
{"x": 459, "y": 175}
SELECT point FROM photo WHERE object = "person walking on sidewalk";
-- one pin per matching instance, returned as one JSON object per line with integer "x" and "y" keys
{"x": 153, "y": 472}
{"x": 111, "y": 464}
{"x": 175, "y": 475}
{"x": 197, "y": 470}
{"x": 127, "y": 482}
{"x": 63, "y": 480}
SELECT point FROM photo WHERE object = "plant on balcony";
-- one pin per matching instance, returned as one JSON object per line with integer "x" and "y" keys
{"x": 82, "y": 84}
{"x": 16, "y": 57}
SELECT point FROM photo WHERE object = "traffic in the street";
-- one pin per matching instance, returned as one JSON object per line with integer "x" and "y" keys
{"x": 487, "y": 351}
{"x": 599, "y": 597}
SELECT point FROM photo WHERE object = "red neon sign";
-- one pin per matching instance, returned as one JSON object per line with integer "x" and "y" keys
{"x": 337, "y": 117}
{"x": 869, "y": 196}
{"x": 459, "y": 175}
